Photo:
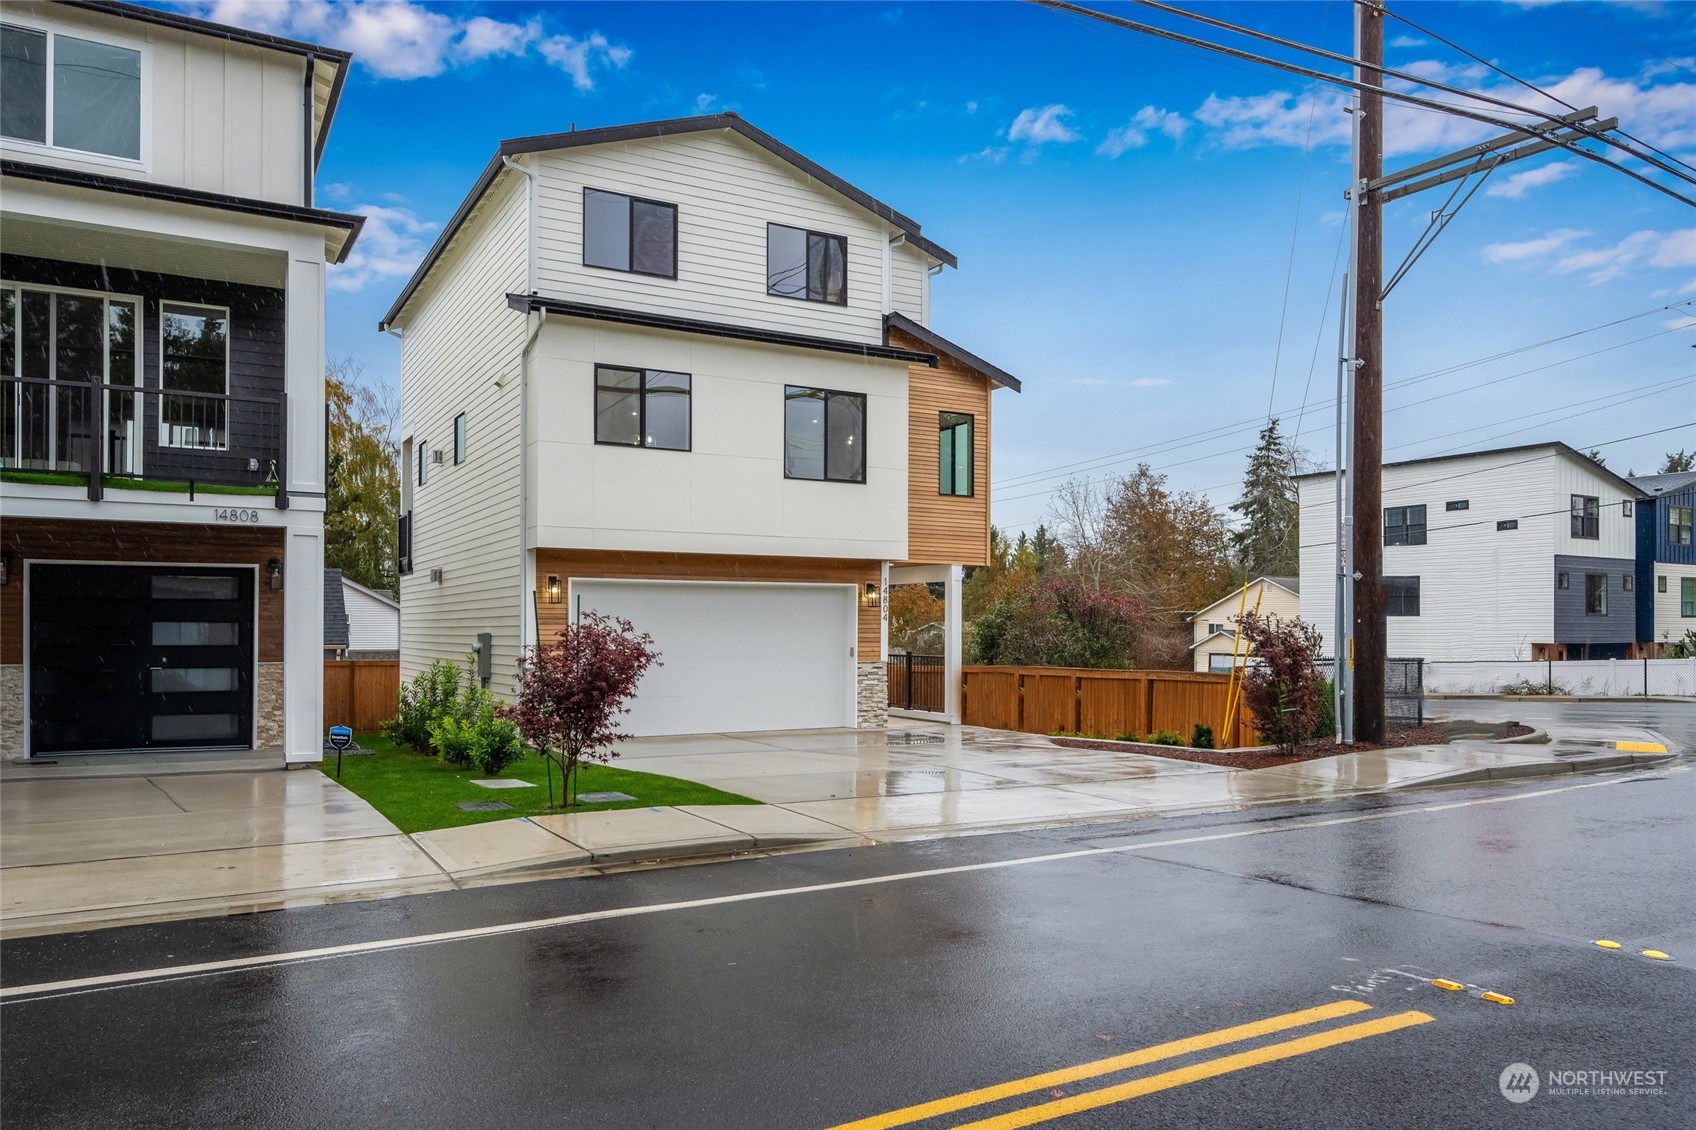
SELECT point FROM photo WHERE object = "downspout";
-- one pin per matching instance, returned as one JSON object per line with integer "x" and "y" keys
{"x": 526, "y": 575}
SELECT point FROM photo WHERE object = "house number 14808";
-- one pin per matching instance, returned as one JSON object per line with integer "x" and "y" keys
{"x": 224, "y": 514}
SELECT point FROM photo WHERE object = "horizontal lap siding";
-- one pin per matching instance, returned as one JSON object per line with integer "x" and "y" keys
{"x": 726, "y": 191}
{"x": 945, "y": 530}
{"x": 459, "y": 340}
{"x": 909, "y": 283}
{"x": 632, "y": 566}
{"x": 139, "y": 543}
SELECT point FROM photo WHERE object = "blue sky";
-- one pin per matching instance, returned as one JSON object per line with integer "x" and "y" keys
{"x": 1126, "y": 212}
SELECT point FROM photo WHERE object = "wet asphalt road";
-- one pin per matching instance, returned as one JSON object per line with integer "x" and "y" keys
{"x": 813, "y": 1009}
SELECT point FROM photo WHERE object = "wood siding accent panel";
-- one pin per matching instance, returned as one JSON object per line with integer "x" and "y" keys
{"x": 139, "y": 543}
{"x": 943, "y": 529}
{"x": 361, "y": 693}
{"x": 631, "y": 566}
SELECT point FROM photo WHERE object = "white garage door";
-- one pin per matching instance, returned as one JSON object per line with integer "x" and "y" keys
{"x": 737, "y": 656}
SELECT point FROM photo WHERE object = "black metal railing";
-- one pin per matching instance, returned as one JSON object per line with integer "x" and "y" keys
{"x": 1404, "y": 690}
{"x": 107, "y": 433}
{"x": 917, "y": 682}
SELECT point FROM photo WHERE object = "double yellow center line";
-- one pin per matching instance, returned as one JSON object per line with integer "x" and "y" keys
{"x": 1207, "y": 1069}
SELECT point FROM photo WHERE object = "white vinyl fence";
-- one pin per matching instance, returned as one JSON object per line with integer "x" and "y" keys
{"x": 1583, "y": 677}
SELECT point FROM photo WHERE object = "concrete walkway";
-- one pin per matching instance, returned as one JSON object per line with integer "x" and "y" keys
{"x": 85, "y": 848}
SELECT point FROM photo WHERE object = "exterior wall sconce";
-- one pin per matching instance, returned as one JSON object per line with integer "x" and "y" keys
{"x": 556, "y": 591}
{"x": 274, "y": 570}
{"x": 874, "y": 595}
{"x": 5, "y": 567}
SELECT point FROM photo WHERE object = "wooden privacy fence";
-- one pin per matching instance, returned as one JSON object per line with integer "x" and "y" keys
{"x": 1049, "y": 700}
{"x": 361, "y": 693}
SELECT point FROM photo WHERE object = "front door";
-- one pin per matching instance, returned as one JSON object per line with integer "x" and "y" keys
{"x": 129, "y": 657}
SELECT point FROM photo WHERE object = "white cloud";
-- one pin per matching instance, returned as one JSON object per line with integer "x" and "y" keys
{"x": 1277, "y": 118}
{"x": 1607, "y": 263}
{"x": 1406, "y": 41}
{"x": 1683, "y": 323}
{"x": 1150, "y": 382}
{"x": 390, "y": 247}
{"x": 971, "y": 107}
{"x": 1677, "y": 249}
{"x": 401, "y": 39}
{"x": 1135, "y": 135}
{"x": 705, "y": 103}
{"x": 1519, "y": 184}
{"x": 336, "y": 190}
{"x": 1038, "y": 127}
{"x": 993, "y": 154}
{"x": 1531, "y": 248}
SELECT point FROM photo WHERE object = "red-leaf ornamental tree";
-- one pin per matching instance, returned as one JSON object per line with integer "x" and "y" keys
{"x": 570, "y": 693}
{"x": 1281, "y": 684}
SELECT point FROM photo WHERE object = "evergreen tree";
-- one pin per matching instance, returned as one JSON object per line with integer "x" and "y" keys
{"x": 1677, "y": 461}
{"x": 1268, "y": 543}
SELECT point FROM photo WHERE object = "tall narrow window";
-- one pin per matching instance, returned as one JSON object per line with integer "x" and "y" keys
{"x": 642, "y": 408}
{"x": 806, "y": 264}
{"x": 195, "y": 365}
{"x": 459, "y": 439}
{"x": 824, "y": 435}
{"x": 1678, "y": 525}
{"x": 423, "y": 462}
{"x": 1595, "y": 594}
{"x": 1404, "y": 525}
{"x": 954, "y": 454}
{"x": 70, "y": 93}
{"x": 1687, "y": 596}
{"x": 625, "y": 233}
{"x": 1586, "y": 516}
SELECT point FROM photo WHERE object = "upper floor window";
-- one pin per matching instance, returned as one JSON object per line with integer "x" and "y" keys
{"x": 1625, "y": 508}
{"x": 806, "y": 264}
{"x": 1404, "y": 525}
{"x": 423, "y": 462}
{"x": 1678, "y": 525}
{"x": 1458, "y": 504}
{"x": 954, "y": 470}
{"x": 1595, "y": 594}
{"x": 642, "y": 408}
{"x": 1586, "y": 516}
{"x": 194, "y": 364}
{"x": 623, "y": 233}
{"x": 824, "y": 435}
{"x": 1401, "y": 596}
{"x": 70, "y": 93}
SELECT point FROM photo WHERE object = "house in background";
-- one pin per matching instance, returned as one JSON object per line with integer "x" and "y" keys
{"x": 1215, "y": 627}
{"x": 1516, "y": 553}
{"x": 1666, "y": 559}
{"x": 162, "y": 270}
{"x": 678, "y": 372}
{"x": 359, "y": 623}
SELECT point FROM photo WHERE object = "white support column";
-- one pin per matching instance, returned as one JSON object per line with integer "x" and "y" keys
{"x": 952, "y": 649}
{"x": 883, "y": 614}
{"x": 303, "y": 643}
{"x": 303, "y": 361}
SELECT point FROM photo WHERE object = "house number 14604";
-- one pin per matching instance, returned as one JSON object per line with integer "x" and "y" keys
{"x": 224, "y": 514}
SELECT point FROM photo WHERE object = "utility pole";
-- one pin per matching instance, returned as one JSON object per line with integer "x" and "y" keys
{"x": 1367, "y": 435}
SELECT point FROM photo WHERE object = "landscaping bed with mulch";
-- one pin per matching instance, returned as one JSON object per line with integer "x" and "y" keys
{"x": 1262, "y": 758}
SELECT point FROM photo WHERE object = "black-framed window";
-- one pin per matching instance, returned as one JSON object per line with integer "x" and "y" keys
{"x": 1625, "y": 508}
{"x": 1586, "y": 516}
{"x": 1687, "y": 597}
{"x": 1508, "y": 524}
{"x": 806, "y": 264}
{"x": 1401, "y": 596}
{"x": 1404, "y": 525}
{"x": 423, "y": 462}
{"x": 194, "y": 352}
{"x": 1661, "y": 583}
{"x": 824, "y": 435}
{"x": 459, "y": 439}
{"x": 1458, "y": 504}
{"x": 1595, "y": 594}
{"x": 627, "y": 233}
{"x": 954, "y": 454}
{"x": 1627, "y": 583}
{"x": 642, "y": 408}
{"x": 1678, "y": 525}
{"x": 1563, "y": 580}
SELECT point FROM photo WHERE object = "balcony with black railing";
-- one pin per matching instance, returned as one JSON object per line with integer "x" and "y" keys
{"x": 135, "y": 438}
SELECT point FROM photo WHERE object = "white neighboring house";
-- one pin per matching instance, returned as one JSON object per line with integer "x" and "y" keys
{"x": 1215, "y": 626}
{"x": 359, "y": 623}
{"x": 677, "y": 372}
{"x": 162, "y": 274}
{"x": 1516, "y": 553}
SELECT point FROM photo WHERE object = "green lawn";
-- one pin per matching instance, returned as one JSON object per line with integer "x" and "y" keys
{"x": 119, "y": 482}
{"x": 418, "y": 792}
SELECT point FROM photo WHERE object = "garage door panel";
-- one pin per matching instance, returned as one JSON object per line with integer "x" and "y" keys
{"x": 741, "y": 657}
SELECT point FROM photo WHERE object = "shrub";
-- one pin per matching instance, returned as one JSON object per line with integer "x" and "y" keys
{"x": 1201, "y": 737}
{"x": 1058, "y": 623}
{"x": 1127, "y": 738}
{"x": 426, "y": 699}
{"x": 488, "y": 742}
{"x": 1326, "y": 726}
{"x": 1527, "y": 687}
{"x": 1282, "y": 685}
{"x": 1165, "y": 737}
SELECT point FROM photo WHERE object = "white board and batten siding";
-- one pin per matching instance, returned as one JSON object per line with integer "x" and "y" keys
{"x": 459, "y": 339}
{"x": 726, "y": 190}
{"x": 216, "y": 116}
{"x": 1484, "y": 593}
{"x": 1615, "y": 528}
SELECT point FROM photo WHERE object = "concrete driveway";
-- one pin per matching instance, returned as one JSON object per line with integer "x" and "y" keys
{"x": 89, "y": 848}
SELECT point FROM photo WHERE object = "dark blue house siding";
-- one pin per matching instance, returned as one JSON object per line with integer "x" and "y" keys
{"x": 1575, "y": 626}
{"x": 1647, "y": 517}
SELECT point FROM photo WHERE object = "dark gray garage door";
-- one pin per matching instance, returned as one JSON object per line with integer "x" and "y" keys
{"x": 133, "y": 658}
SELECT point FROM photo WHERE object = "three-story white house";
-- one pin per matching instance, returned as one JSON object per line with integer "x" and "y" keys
{"x": 162, "y": 272}
{"x": 1517, "y": 553}
{"x": 677, "y": 372}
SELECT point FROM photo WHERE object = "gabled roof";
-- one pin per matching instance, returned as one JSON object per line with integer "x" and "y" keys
{"x": 1556, "y": 446}
{"x": 670, "y": 127}
{"x": 1664, "y": 484}
{"x": 1227, "y": 633}
{"x": 374, "y": 594}
{"x": 899, "y": 321}
{"x": 1291, "y": 585}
